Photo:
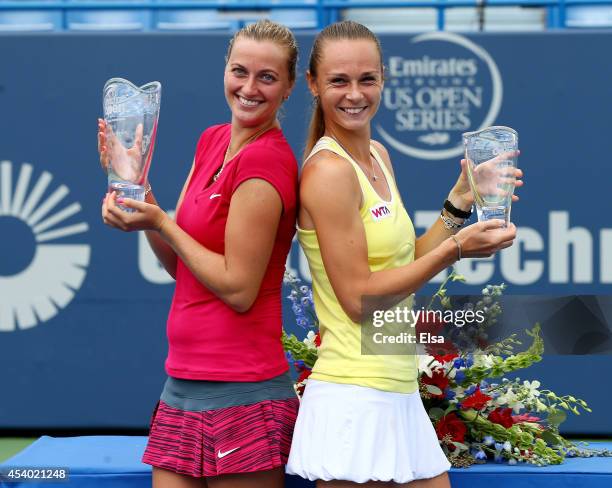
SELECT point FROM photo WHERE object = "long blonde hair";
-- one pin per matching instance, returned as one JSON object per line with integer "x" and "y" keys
{"x": 345, "y": 30}
{"x": 266, "y": 30}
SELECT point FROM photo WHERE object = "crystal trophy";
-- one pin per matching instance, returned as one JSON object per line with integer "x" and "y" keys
{"x": 492, "y": 157}
{"x": 131, "y": 115}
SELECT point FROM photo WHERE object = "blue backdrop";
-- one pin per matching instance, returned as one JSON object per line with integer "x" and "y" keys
{"x": 83, "y": 307}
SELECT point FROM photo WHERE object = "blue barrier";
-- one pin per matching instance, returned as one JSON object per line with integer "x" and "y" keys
{"x": 327, "y": 10}
{"x": 83, "y": 307}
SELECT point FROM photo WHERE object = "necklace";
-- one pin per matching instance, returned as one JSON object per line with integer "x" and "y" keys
{"x": 373, "y": 176}
{"x": 240, "y": 148}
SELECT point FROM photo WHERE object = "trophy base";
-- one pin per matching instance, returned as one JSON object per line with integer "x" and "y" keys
{"x": 490, "y": 213}
{"x": 127, "y": 190}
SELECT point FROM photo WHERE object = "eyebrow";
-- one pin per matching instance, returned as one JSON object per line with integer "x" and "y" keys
{"x": 266, "y": 70}
{"x": 367, "y": 73}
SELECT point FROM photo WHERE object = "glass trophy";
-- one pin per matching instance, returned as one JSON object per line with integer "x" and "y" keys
{"x": 492, "y": 157}
{"x": 131, "y": 114}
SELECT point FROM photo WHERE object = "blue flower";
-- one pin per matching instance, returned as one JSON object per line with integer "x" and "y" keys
{"x": 480, "y": 455}
{"x": 498, "y": 458}
{"x": 484, "y": 385}
{"x": 469, "y": 361}
{"x": 449, "y": 394}
{"x": 297, "y": 309}
{"x": 470, "y": 390}
{"x": 459, "y": 363}
{"x": 459, "y": 377}
{"x": 499, "y": 446}
{"x": 488, "y": 440}
{"x": 289, "y": 356}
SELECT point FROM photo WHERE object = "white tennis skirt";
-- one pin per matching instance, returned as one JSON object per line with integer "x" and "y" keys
{"x": 359, "y": 434}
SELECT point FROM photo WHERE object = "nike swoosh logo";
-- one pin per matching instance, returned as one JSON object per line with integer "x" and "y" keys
{"x": 223, "y": 454}
{"x": 215, "y": 195}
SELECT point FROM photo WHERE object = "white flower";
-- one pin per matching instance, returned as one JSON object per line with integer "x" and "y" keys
{"x": 483, "y": 360}
{"x": 507, "y": 446}
{"x": 532, "y": 388}
{"x": 426, "y": 363}
{"x": 459, "y": 391}
{"x": 512, "y": 400}
{"x": 288, "y": 278}
{"x": 310, "y": 340}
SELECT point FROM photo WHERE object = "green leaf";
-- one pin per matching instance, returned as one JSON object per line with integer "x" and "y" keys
{"x": 550, "y": 438}
{"x": 458, "y": 277}
{"x": 556, "y": 417}
{"x": 435, "y": 413}
{"x": 460, "y": 446}
{"x": 451, "y": 408}
{"x": 434, "y": 390}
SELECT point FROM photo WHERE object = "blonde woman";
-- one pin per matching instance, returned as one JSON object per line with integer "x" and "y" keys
{"x": 226, "y": 414}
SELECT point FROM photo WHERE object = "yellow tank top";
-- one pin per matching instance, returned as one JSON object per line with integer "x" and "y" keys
{"x": 391, "y": 239}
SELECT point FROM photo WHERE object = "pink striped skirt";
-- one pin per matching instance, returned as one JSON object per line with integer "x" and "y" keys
{"x": 234, "y": 439}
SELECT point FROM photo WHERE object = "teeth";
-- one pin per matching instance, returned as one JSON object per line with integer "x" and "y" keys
{"x": 247, "y": 102}
{"x": 353, "y": 111}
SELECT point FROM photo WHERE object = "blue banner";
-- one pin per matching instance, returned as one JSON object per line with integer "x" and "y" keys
{"x": 83, "y": 307}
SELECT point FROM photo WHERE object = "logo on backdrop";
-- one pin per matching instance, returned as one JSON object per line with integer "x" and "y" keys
{"x": 42, "y": 266}
{"x": 440, "y": 86}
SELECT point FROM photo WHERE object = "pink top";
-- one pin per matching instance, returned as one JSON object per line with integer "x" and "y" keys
{"x": 208, "y": 340}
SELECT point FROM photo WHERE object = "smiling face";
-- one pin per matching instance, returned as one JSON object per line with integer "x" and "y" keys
{"x": 349, "y": 83}
{"x": 256, "y": 81}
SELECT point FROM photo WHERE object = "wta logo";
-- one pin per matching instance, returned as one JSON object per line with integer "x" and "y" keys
{"x": 380, "y": 211}
{"x": 41, "y": 267}
{"x": 441, "y": 85}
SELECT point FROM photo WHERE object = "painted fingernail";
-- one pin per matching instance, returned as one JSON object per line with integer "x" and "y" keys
{"x": 119, "y": 200}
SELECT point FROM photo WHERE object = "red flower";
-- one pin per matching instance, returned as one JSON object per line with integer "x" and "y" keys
{"x": 445, "y": 358}
{"x": 300, "y": 381}
{"x": 438, "y": 379}
{"x": 451, "y": 425}
{"x": 502, "y": 416}
{"x": 430, "y": 324}
{"x": 317, "y": 339}
{"x": 441, "y": 349}
{"x": 476, "y": 400}
{"x": 524, "y": 417}
{"x": 304, "y": 374}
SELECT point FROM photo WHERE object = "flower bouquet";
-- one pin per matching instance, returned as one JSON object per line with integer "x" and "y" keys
{"x": 478, "y": 413}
